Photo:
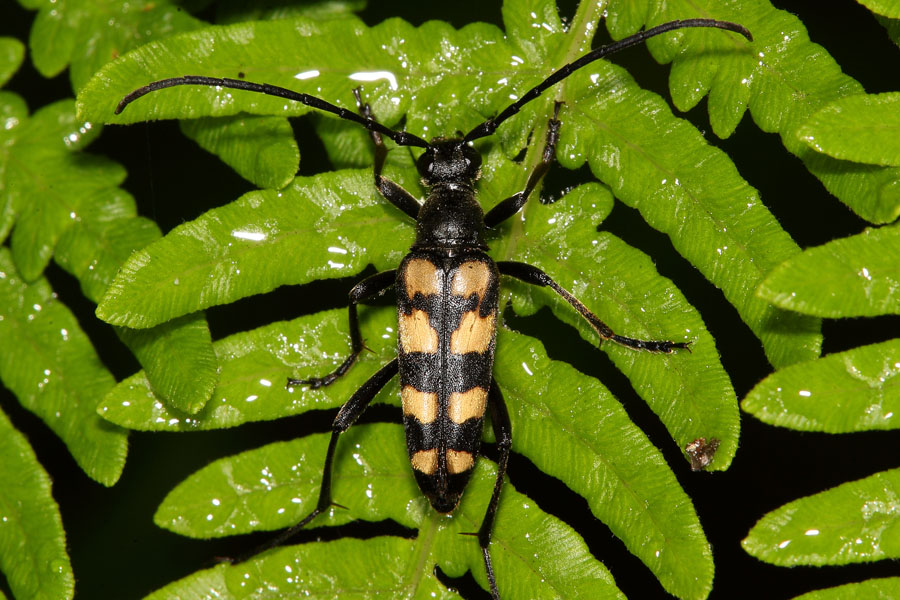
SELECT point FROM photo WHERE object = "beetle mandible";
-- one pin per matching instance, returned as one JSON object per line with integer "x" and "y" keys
{"x": 447, "y": 295}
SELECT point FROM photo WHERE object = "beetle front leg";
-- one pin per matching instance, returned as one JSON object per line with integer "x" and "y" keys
{"x": 507, "y": 208}
{"x": 393, "y": 192}
{"x": 535, "y": 276}
{"x": 367, "y": 288}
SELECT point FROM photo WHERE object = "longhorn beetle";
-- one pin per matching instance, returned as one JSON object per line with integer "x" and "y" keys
{"x": 447, "y": 294}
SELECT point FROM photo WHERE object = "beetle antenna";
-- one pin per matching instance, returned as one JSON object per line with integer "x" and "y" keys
{"x": 489, "y": 126}
{"x": 402, "y": 138}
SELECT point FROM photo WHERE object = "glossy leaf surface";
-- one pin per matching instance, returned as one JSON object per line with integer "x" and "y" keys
{"x": 12, "y": 51}
{"x": 33, "y": 554}
{"x": 83, "y": 35}
{"x": 234, "y": 11}
{"x": 857, "y": 276}
{"x": 857, "y": 390}
{"x": 631, "y": 489}
{"x": 67, "y": 205}
{"x": 185, "y": 384}
{"x": 690, "y": 391}
{"x": 254, "y": 365}
{"x": 855, "y": 522}
{"x": 689, "y": 205}
{"x": 261, "y": 149}
{"x": 873, "y": 589}
{"x": 374, "y": 482}
{"x": 346, "y": 568}
{"x": 782, "y": 78}
{"x": 15, "y": 114}
{"x": 240, "y": 222}
{"x": 41, "y": 164}
{"x": 97, "y": 243}
{"x": 887, "y": 8}
{"x": 861, "y": 128}
{"x": 893, "y": 29}
{"x": 86, "y": 34}
{"x": 435, "y": 80}
{"x": 712, "y": 216}
{"x": 254, "y": 368}
{"x": 330, "y": 225}
{"x": 92, "y": 250}
{"x": 55, "y": 372}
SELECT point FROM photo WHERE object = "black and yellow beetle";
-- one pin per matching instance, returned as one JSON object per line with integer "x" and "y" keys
{"x": 447, "y": 295}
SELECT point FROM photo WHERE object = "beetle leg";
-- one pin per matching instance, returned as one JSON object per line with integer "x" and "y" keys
{"x": 503, "y": 433}
{"x": 535, "y": 276}
{"x": 507, "y": 208}
{"x": 367, "y": 288}
{"x": 349, "y": 413}
{"x": 393, "y": 192}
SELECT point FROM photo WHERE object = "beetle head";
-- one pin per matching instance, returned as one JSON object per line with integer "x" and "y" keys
{"x": 449, "y": 161}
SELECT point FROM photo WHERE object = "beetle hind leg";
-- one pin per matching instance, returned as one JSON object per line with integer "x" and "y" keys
{"x": 503, "y": 433}
{"x": 349, "y": 413}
